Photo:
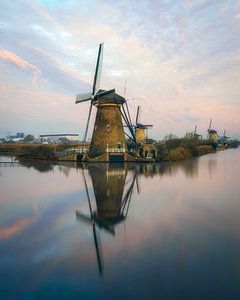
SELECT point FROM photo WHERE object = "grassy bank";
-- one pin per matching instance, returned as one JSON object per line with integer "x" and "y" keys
{"x": 171, "y": 150}
{"x": 180, "y": 149}
{"x": 33, "y": 151}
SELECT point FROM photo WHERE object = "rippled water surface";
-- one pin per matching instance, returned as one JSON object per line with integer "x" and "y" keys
{"x": 147, "y": 231}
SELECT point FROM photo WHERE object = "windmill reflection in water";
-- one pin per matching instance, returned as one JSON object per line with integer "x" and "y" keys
{"x": 113, "y": 193}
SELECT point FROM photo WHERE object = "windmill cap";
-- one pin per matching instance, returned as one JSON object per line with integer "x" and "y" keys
{"x": 111, "y": 98}
{"x": 212, "y": 131}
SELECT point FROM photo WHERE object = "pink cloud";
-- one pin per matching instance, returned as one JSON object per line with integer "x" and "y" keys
{"x": 20, "y": 63}
{"x": 16, "y": 227}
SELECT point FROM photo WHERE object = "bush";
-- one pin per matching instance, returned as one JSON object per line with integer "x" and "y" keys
{"x": 178, "y": 149}
{"x": 179, "y": 153}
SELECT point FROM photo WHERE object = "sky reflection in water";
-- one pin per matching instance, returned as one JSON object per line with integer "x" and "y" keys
{"x": 155, "y": 231}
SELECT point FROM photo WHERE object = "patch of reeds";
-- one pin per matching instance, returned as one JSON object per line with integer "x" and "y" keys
{"x": 33, "y": 151}
{"x": 180, "y": 149}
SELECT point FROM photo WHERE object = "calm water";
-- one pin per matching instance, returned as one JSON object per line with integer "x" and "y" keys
{"x": 163, "y": 231}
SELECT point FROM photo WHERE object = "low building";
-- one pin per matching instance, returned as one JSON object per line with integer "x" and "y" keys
{"x": 20, "y": 135}
{"x": 58, "y": 138}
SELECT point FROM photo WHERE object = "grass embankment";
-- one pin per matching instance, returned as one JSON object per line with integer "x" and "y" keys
{"x": 33, "y": 151}
{"x": 180, "y": 149}
{"x": 171, "y": 150}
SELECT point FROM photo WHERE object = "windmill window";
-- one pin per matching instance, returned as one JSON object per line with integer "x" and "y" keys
{"x": 108, "y": 128}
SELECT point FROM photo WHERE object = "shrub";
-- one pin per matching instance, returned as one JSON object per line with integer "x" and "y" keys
{"x": 179, "y": 153}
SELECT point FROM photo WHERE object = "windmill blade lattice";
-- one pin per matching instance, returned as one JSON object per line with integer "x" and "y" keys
{"x": 94, "y": 95}
{"x": 98, "y": 70}
{"x": 83, "y": 97}
{"x": 138, "y": 110}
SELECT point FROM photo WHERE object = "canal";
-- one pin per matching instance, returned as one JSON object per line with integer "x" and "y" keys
{"x": 121, "y": 231}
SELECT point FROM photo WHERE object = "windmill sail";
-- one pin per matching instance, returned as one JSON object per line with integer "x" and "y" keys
{"x": 88, "y": 120}
{"x": 210, "y": 124}
{"x": 91, "y": 220}
{"x": 83, "y": 97}
{"x": 98, "y": 69}
{"x": 81, "y": 217}
{"x": 96, "y": 82}
{"x": 137, "y": 114}
{"x": 129, "y": 116}
{"x": 209, "y": 128}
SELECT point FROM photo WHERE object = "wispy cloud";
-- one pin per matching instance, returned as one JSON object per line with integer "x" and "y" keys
{"x": 20, "y": 63}
{"x": 177, "y": 57}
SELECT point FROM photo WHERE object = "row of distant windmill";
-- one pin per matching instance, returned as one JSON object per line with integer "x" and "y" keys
{"x": 108, "y": 141}
{"x": 212, "y": 134}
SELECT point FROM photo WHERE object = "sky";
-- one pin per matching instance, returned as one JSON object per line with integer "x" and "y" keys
{"x": 181, "y": 60}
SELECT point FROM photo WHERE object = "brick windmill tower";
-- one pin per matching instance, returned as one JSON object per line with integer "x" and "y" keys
{"x": 108, "y": 141}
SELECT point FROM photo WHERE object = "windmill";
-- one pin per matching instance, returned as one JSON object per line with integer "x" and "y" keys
{"x": 108, "y": 133}
{"x": 146, "y": 149}
{"x": 112, "y": 204}
{"x": 212, "y": 134}
{"x": 141, "y": 130}
{"x": 224, "y": 139}
{"x": 195, "y": 134}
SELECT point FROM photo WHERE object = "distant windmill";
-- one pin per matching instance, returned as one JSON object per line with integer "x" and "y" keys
{"x": 212, "y": 134}
{"x": 141, "y": 130}
{"x": 196, "y": 135}
{"x": 108, "y": 130}
{"x": 195, "y": 129}
{"x": 224, "y": 139}
{"x": 224, "y": 135}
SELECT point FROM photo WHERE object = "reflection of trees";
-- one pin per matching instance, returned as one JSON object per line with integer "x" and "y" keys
{"x": 189, "y": 167}
{"x": 46, "y": 166}
{"x": 212, "y": 163}
{"x": 41, "y": 166}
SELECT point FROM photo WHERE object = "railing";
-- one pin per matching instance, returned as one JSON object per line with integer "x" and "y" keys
{"x": 71, "y": 151}
{"x": 115, "y": 150}
{"x": 81, "y": 150}
{"x": 84, "y": 150}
